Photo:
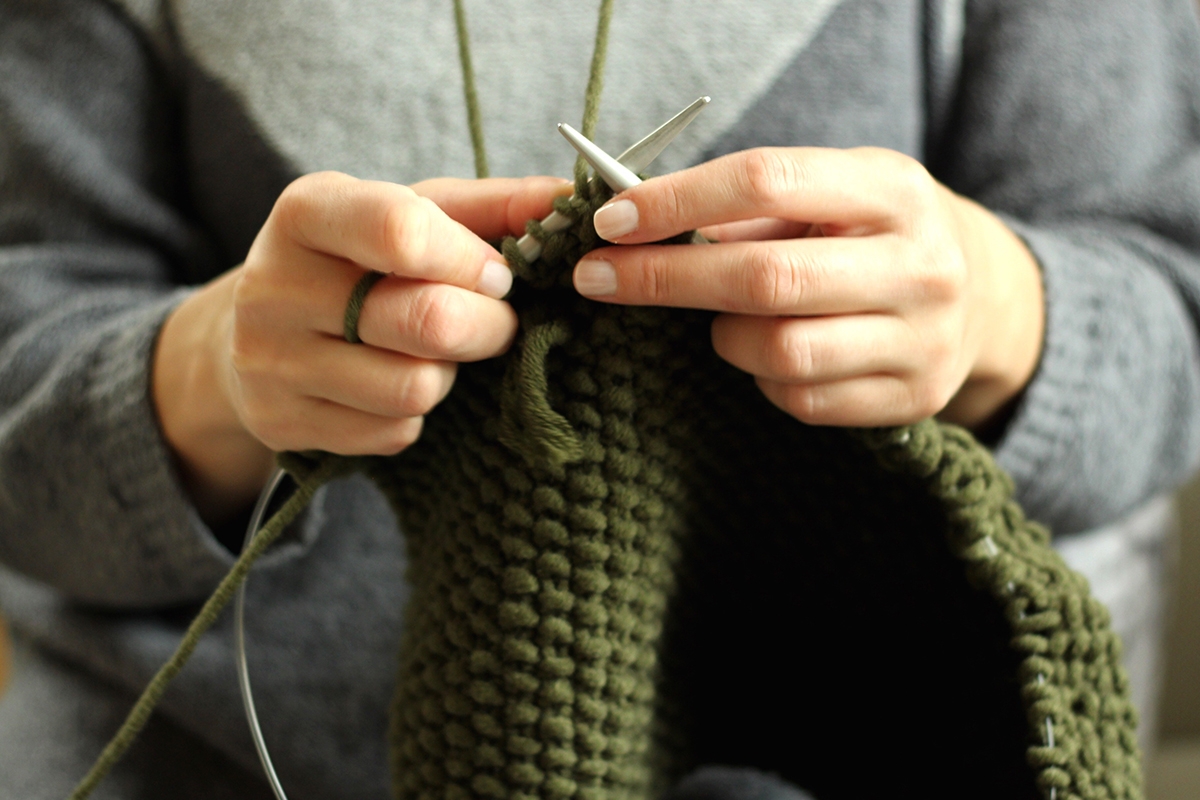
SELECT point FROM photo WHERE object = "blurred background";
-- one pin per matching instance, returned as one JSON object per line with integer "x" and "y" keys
{"x": 1173, "y": 765}
{"x": 1173, "y": 768}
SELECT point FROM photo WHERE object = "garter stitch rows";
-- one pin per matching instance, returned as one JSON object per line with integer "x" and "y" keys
{"x": 626, "y": 563}
{"x": 700, "y": 578}
{"x": 703, "y": 579}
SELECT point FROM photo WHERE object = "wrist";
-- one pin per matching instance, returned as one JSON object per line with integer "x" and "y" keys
{"x": 1008, "y": 309}
{"x": 221, "y": 465}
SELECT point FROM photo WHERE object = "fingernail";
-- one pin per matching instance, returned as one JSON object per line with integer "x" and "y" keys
{"x": 615, "y": 220}
{"x": 595, "y": 278}
{"x": 496, "y": 279}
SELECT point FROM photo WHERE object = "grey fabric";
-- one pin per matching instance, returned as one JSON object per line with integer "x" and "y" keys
{"x": 52, "y": 701}
{"x": 1079, "y": 122}
{"x": 141, "y": 147}
{"x": 322, "y": 635}
{"x": 372, "y": 87}
{"x": 88, "y": 500}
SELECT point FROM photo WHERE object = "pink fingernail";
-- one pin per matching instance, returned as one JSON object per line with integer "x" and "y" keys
{"x": 615, "y": 220}
{"x": 595, "y": 278}
{"x": 496, "y": 279}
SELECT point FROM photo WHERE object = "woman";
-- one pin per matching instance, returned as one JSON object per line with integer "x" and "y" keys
{"x": 1035, "y": 280}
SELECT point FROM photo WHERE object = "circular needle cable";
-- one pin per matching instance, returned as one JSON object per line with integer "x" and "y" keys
{"x": 239, "y": 635}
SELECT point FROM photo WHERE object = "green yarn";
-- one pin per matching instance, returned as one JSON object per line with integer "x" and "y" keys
{"x": 528, "y": 424}
{"x": 139, "y": 715}
{"x": 595, "y": 84}
{"x": 863, "y": 612}
{"x": 354, "y": 305}
{"x": 866, "y": 613}
{"x": 474, "y": 118}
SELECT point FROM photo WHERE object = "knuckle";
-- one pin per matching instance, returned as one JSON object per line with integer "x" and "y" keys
{"x": 421, "y": 389}
{"x": 243, "y": 355}
{"x": 254, "y": 294}
{"x": 672, "y": 200}
{"x": 908, "y": 182}
{"x": 912, "y": 174}
{"x": 266, "y": 426}
{"x": 297, "y": 203}
{"x": 442, "y": 323}
{"x": 927, "y": 398}
{"x": 297, "y": 193}
{"x": 803, "y": 403}
{"x": 515, "y": 203}
{"x": 254, "y": 356}
{"x": 940, "y": 355}
{"x": 913, "y": 181}
{"x": 775, "y": 280}
{"x": 941, "y": 273}
{"x": 401, "y": 435}
{"x": 407, "y": 230}
{"x": 943, "y": 342}
{"x": 292, "y": 208}
{"x": 792, "y": 355}
{"x": 656, "y": 281}
{"x": 769, "y": 176}
{"x": 250, "y": 354}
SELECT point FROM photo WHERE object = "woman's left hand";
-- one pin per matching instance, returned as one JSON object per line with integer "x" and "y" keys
{"x": 852, "y": 285}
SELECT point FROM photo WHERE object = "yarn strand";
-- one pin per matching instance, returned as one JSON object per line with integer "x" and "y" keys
{"x": 474, "y": 118}
{"x": 139, "y": 715}
{"x": 595, "y": 85}
{"x": 354, "y": 305}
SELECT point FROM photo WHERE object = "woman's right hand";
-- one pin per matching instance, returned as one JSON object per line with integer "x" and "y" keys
{"x": 256, "y": 362}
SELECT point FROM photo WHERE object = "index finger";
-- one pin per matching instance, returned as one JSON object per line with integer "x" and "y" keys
{"x": 495, "y": 207}
{"x": 846, "y": 188}
{"x": 384, "y": 227}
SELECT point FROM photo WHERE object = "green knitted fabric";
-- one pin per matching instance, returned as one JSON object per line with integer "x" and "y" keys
{"x": 626, "y": 562}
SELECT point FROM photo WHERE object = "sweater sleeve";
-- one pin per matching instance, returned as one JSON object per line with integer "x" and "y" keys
{"x": 1078, "y": 121}
{"x": 91, "y": 253}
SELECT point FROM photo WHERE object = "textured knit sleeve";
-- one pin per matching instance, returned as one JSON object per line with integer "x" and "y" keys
{"x": 91, "y": 252}
{"x": 1079, "y": 122}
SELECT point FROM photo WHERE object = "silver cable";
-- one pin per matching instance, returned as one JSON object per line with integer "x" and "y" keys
{"x": 239, "y": 636}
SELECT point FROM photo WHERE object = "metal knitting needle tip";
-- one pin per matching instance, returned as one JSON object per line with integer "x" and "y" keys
{"x": 639, "y": 156}
{"x": 613, "y": 172}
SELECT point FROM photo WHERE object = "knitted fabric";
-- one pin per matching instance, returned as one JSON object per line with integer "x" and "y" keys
{"x": 625, "y": 562}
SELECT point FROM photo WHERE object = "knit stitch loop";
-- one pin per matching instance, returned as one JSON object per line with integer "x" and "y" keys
{"x": 528, "y": 424}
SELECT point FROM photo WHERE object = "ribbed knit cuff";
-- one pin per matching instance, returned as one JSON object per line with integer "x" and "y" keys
{"x": 1038, "y": 435}
{"x": 114, "y": 524}
{"x": 1085, "y": 444}
{"x": 142, "y": 462}
{"x": 181, "y": 554}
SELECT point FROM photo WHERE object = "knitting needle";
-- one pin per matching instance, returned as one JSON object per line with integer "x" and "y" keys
{"x": 639, "y": 156}
{"x": 618, "y": 176}
{"x": 636, "y": 158}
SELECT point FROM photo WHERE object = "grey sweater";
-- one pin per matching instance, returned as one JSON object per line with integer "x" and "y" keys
{"x": 143, "y": 143}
